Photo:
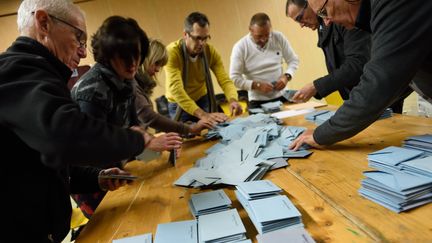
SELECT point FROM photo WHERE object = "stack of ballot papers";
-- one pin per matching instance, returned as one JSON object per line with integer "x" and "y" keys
{"x": 146, "y": 238}
{"x": 257, "y": 189}
{"x": 271, "y": 107}
{"x": 209, "y": 202}
{"x": 421, "y": 167}
{"x": 271, "y": 213}
{"x": 291, "y": 235}
{"x": 396, "y": 191}
{"x": 421, "y": 142}
{"x": 392, "y": 158}
{"x": 386, "y": 114}
{"x": 225, "y": 226}
{"x": 178, "y": 232}
{"x": 249, "y": 147}
{"x": 319, "y": 117}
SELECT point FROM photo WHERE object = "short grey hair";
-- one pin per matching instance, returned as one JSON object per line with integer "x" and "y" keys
{"x": 58, "y": 8}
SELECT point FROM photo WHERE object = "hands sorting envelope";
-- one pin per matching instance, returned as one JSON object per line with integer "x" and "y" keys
{"x": 404, "y": 179}
{"x": 247, "y": 150}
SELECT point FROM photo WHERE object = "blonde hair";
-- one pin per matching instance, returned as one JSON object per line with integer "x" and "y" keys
{"x": 157, "y": 55}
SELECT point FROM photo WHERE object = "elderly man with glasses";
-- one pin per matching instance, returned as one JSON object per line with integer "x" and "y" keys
{"x": 256, "y": 62}
{"x": 189, "y": 87}
{"x": 345, "y": 52}
{"x": 43, "y": 133}
{"x": 401, "y": 56}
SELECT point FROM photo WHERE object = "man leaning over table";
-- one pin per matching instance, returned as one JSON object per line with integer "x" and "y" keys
{"x": 256, "y": 62}
{"x": 189, "y": 88}
{"x": 401, "y": 56}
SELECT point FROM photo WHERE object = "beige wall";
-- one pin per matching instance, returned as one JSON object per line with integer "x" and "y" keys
{"x": 163, "y": 19}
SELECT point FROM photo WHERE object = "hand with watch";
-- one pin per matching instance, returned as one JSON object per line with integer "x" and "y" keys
{"x": 283, "y": 81}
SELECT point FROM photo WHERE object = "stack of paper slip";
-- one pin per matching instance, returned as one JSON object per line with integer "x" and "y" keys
{"x": 146, "y": 238}
{"x": 422, "y": 167}
{"x": 421, "y": 142}
{"x": 291, "y": 235}
{"x": 396, "y": 191}
{"x": 271, "y": 107}
{"x": 178, "y": 232}
{"x": 209, "y": 202}
{"x": 319, "y": 117}
{"x": 257, "y": 189}
{"x": 225, "y": 226}
{"x": 391, "y": 158}
{"x": 271, "y": 213}
{"x": 386, "y": 114}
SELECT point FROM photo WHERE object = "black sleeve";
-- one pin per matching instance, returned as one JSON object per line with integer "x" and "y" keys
{"x": 84, "y": 179}
{"x": 47, "y": 120}
{"x": 401, "y": 43}
{"x": 93, "y": 110}
{"x": 357, "y": 48}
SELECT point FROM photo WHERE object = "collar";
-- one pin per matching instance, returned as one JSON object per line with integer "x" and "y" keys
{"x": 32, "y": 46}
{"x": 364, "y": 16}
{"x": 113, "y": 78}
{"x": 258, "y": 46}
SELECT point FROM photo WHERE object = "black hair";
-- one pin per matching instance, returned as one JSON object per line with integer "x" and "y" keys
{"x": 298, "y": 3}
{"x": 195, "y": 17}
{"x": 119, "y": 37}
{"x": 259, "y": 19}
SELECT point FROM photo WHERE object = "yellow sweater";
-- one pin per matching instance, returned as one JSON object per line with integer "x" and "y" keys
{"x": 196, "y": 85}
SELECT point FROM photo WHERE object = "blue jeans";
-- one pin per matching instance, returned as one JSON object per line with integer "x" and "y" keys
{"x": 202, "y": 102}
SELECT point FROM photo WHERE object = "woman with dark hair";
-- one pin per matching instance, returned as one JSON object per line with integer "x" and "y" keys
{"x": 106, "y": 90}
{"x": 146, "y": 82}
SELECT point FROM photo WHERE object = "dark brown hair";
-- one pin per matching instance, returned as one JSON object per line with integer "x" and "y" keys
{"x": 119, "y": 37}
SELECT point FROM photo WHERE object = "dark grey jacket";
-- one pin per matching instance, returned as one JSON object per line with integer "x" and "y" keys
{"x": 346, "y": 52}
{"x": 44, "y": 136}
{"x": 401, "y": 52}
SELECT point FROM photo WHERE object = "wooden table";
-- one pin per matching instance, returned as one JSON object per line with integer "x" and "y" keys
{"x": 324, "y": 187}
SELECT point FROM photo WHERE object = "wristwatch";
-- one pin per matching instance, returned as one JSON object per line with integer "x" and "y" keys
{"x": 288, "y": 76}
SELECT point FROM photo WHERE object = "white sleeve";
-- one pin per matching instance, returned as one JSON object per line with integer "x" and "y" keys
{"x": 237, "y": 64}
{"x": 289, "y": 55}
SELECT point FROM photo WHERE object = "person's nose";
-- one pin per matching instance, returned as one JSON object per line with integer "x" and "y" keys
{"x": 82, "y": 52}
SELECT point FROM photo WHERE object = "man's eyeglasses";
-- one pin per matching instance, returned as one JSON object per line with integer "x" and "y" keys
{"x": 300, "y": 15}
{"x": 322, "y": 13}
{"x": 80, "y": 34}
{"x": 199, "y": 38}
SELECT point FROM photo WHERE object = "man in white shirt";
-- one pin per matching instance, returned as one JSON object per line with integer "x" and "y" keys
{"x": 256, "y": 62}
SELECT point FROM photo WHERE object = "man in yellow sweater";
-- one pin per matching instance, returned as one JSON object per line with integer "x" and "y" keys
{"x": 188, "y": 79}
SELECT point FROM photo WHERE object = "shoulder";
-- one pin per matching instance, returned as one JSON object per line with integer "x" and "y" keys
{"x": 91, "y": 87}
{"x": 242, "y": 43}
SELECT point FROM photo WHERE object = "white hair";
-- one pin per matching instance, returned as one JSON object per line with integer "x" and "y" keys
{"x": 58, "y": 8}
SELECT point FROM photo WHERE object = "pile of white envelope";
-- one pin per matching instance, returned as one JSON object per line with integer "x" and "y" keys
{"x": 421, "y": 142}
{"x": 209, "y": 202}
{"x": 268, "y": 210}
{"x": 249, "y": 147}
{"x": 403, "y": 179}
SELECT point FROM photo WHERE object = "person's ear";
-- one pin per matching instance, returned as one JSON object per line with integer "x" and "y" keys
{"x": 184, "y": 34}
{"x": 42, "y": 22}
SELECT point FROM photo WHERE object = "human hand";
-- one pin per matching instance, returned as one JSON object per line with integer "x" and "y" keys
{"x": 304, "y": 94}
{"x": 263, "y": 87}
{"x": 167, "y": 141}
{"x": 215, "y": 117}
{"x": 305, "y": 138}
{"x": 108, "y": 184}
{"x": 235, "y": 108}
{"x": 201, "y": 125}
{"x": 281, "y": 83}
